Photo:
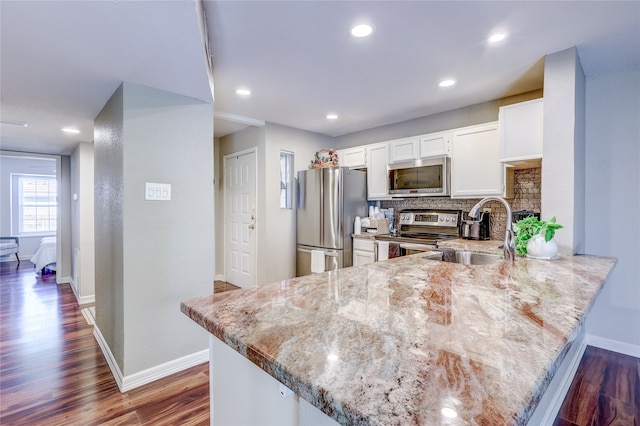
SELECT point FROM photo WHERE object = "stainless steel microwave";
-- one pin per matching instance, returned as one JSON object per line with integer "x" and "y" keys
{"x": 420, "y": 178}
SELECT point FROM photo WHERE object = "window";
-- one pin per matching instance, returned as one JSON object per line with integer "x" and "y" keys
{"x": 286, "y": 180}
{"x": 37, "y": 206}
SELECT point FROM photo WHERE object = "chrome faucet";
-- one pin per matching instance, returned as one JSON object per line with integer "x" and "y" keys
{"x": 509, "y": 244}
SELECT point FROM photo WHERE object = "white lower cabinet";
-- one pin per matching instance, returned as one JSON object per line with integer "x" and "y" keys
{"x": 476, "y": 170}
{"x": 363, "y": 251}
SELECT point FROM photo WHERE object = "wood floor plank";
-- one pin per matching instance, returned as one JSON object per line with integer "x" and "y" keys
{"x": 52, "y": 371}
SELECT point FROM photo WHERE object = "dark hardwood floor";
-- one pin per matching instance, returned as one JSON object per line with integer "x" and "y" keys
{"x": 604, "y": 391}
{"x": 52, "y": 371}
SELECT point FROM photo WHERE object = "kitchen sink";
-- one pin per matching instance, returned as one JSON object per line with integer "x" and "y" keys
{"x": 473, "y": 258}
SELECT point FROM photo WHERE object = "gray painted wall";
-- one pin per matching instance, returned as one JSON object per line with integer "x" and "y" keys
{"x": 152, "y": 254}
{"x": 109, "y": 223}
{"x": 613, "y": 199}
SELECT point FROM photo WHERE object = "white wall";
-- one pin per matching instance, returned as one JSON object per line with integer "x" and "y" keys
{"x": 613, "y": 200}
{"x": 154, "y": 254}
{"x": 82, "y": 235}
{"x": 563, "y": 146}
{"x": 275, "y": 226}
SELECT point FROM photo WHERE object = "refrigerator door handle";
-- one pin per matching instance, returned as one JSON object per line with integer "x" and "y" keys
{"x": 326, "y": 253}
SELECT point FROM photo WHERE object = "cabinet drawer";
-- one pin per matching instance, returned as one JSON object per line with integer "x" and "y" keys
{"x": 363, "y": 244}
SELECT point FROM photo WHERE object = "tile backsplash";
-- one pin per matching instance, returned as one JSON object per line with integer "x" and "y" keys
{"x": 526, "y": 190}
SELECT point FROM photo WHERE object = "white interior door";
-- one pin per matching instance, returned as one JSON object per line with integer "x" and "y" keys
{"x": 240, "y": 219}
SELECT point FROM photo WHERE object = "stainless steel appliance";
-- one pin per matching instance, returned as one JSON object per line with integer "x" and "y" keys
{"x": 477, "y": 229}
{"x": 329, "y": 199}
{"x": 422, "y": 230}
{"x": 421, "y": 178}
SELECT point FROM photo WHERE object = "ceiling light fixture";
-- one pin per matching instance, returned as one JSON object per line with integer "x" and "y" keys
{"x": 15, "y": 123}
{"x": 243, "y": 92}
{"x": 497, "y": 37}
{"x": 70, "y": 130}
{"x": 447, "y": 83}
{"x": 361, "y": 30}
{"x": 332, "y": 116}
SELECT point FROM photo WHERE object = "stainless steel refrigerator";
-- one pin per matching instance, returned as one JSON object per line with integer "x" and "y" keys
{"x": 329, "y": 199}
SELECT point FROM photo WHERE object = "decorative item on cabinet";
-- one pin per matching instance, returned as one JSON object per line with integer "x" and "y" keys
{"x": 325, "y": 157}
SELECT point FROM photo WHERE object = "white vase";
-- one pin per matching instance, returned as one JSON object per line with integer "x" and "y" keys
{"x": 538, "y": 248}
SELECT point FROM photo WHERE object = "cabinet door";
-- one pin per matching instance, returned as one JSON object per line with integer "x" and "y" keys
{"x": 362, "y": 257}
{"x": 521, "y": 131}
{"x": 403, "y": 150}
{"x": 435, "y": 145}
{"x": 377, "y": 161}
{"x": 476, "y": 171}
{"x": 353, "y": 157}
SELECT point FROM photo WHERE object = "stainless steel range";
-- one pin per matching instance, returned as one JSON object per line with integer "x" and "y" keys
{"x": 422, "y": 230}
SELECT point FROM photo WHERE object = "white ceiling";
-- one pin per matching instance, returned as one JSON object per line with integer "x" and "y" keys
{"x": 62, "y": 60}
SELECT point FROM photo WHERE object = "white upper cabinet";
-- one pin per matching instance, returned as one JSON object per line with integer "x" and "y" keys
{"x": 521, "y": 131}
{"x": 435, "y": 145}
{"x": 353, "y": 157}
{"x": 476, "y": 171}
{"x": 377, "y": 161}
{"x": 405, "y": 149}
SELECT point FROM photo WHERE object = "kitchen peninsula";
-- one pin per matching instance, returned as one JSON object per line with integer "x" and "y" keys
{"x": 412, "y": 340}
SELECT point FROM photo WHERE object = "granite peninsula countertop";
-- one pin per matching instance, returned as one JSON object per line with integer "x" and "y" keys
{"x": 395, "y": 342}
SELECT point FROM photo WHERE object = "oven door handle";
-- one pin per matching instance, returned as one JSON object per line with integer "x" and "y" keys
{"x": 417, "y": 247}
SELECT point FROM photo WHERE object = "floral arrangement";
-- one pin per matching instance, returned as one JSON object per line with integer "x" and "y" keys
{"x": 325, "y": 157}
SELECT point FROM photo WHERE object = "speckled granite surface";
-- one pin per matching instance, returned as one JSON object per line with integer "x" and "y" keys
{"x": 395, "y": 342}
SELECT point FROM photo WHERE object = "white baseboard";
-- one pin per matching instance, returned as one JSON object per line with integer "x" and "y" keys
{"x": 63, "y": 280}
{"x": 613, "y": 345}
{"x": 111, "y": 361}
{"x": 163, "y": 370}
{"x": 84, "y": 300}
{"x": 220, "y": 277}
{"x": 552, "y": 399}
{"x": 126, "y": 383}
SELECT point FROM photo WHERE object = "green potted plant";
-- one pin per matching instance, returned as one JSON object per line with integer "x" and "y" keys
{"x": 534, "y": 237}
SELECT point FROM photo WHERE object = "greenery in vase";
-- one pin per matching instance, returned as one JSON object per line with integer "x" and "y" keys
{"x": 530, "y": 226}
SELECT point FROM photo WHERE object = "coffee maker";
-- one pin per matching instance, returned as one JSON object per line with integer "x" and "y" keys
{"x": 479, "y": 229}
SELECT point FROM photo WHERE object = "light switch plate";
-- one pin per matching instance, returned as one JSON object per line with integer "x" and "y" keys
{"x": 157, "y": 191}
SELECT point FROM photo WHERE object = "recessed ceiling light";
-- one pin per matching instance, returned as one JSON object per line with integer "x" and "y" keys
{"x": 15, "y": 123}
{"x": 243, "y": 92}
{"x": 361, "y": 30}
{"x": 70, "y": 130}
{"x": 447, "y": 83}
{"x": 497, "y": 37}
{"x": 332, "y": 116}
